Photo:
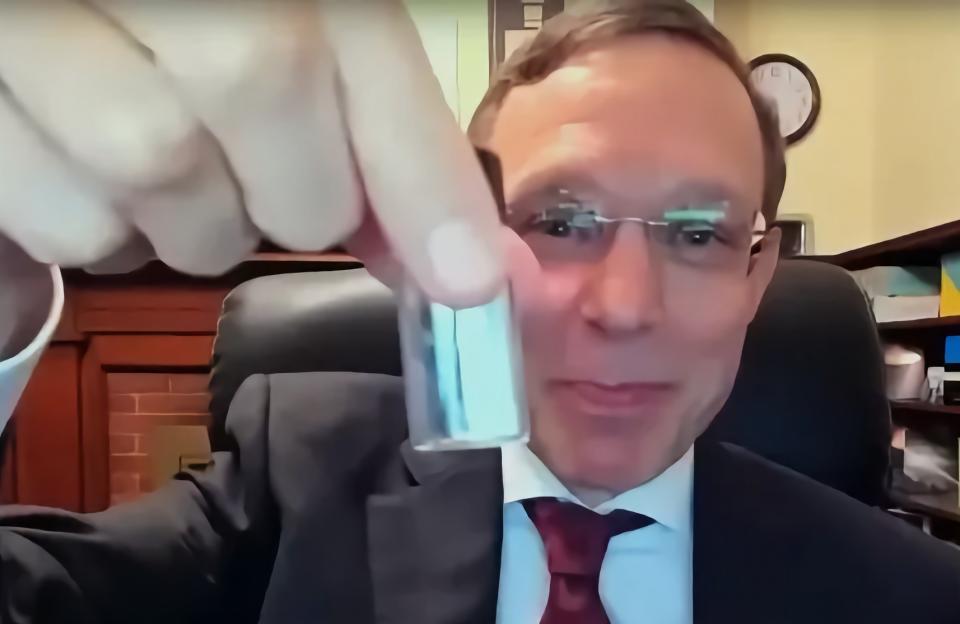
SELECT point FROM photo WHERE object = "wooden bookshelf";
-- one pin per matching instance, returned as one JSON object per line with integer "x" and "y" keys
{"x": 919, "y": 415}
{"x": 943, "y": 322}
{"x": 923, "y": 248}
{"x": 260, "y": 264}
{"x": 945, "y": 506}
{"x": 926, "y": 408}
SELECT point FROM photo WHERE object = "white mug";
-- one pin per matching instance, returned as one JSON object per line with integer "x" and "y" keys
{"x": 15, "y": 371}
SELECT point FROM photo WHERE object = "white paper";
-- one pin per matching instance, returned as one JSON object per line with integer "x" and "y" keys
{"x": 891, "y": 309}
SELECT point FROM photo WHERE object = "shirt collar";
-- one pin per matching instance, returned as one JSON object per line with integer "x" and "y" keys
{"x": 667, "y": 498}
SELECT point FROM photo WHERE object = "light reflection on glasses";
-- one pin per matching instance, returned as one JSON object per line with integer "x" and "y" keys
{"x": 698, "y": 235}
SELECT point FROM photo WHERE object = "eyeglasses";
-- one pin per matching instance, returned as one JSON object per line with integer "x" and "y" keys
{"x": 698, "y": 236}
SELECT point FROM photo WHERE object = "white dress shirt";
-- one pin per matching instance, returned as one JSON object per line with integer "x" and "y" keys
{"x": 647, "y": 574}
{"x": 15, "y": 370}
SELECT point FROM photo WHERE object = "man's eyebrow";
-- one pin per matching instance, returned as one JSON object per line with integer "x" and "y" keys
{"x": 682, "y": 192}
{"x": 711, "y": 211}
{"x": 691, "y": 192}
{"x": 551, "y": 180}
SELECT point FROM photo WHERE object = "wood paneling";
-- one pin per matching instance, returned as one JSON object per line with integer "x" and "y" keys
{"x": 153, "y": 320}
{"x": 148, "y": 310}
{"x": 95, "y": 428}
{"x": 8, "y": 466}
{"x": 48, "y": 452}
{"x": 154, "y": 352}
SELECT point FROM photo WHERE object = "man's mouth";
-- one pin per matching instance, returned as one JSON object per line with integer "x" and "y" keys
{"x": 606, "y": 399}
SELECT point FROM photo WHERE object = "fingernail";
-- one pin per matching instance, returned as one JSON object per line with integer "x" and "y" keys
{"x": 462, "y": 263}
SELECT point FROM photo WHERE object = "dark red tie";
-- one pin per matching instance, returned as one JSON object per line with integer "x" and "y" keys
{"x": 576, "y": 540}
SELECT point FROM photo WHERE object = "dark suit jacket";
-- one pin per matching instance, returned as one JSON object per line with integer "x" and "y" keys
{"x": 321, "y": 513}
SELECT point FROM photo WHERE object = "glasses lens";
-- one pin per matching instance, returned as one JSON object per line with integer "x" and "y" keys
{"x": 567, "y": 232}
{"x": 700, "y": 237}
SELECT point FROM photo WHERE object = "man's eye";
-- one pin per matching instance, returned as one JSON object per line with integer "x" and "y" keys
{"x": 560, "y": 228}
{"x": 693, "y": 235}
{"x": 699, "y": 238}
{"x": 563, "y": 222}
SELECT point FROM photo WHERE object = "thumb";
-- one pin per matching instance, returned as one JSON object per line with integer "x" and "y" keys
{"x": 369, "y": 246}
{"x": 524, "y": 269}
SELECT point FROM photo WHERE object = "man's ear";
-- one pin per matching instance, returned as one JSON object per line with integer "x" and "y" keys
{"x": 762, "y": 266}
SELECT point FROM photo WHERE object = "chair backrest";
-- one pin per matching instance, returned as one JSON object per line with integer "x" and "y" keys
{"x": 809, "y": 394}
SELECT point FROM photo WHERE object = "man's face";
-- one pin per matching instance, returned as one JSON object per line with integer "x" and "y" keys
{"x": 632, "y": 344}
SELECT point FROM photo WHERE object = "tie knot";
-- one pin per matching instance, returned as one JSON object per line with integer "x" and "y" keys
{"x": 575, "y": 537}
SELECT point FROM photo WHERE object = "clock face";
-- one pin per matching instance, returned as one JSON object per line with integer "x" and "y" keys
{"x": 794, "y": 90}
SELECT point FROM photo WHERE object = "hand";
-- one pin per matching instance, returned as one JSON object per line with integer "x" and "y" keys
{"x": 189, "y": 130}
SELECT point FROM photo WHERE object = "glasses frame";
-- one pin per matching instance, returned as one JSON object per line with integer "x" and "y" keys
{"x": 757, "y": 235}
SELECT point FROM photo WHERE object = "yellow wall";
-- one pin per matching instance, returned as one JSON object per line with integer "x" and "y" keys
{"x": 466, "y": 21}
{"x": 831, "y": 174}
{"x": 474, "y": 63}
{"x": 918, "y": 130}
{"x": 456, "y": 27}
{"x": 706, "y": 7}
{"x": 884, "y": 157}
{"x": 879, "y": 161}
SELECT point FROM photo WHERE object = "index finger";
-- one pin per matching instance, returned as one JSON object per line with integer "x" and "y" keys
{"x": 420, "y": 174}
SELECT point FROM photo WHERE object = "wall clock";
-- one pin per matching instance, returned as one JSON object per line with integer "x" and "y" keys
{"x": 792, "y": 86}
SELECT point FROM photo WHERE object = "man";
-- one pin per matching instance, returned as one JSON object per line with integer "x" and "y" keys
{"x": 639, "y": 168}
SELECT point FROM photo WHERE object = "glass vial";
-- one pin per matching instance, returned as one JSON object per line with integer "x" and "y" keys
{"x": 463, "y": 373}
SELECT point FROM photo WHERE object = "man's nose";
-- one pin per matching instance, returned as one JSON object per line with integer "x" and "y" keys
{"x": 624, "y": 290}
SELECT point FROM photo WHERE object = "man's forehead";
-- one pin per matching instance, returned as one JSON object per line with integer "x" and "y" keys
{"x": 608, "y": 147}
{"x": 629, "y": 73}
{"x": 653, "y": 102}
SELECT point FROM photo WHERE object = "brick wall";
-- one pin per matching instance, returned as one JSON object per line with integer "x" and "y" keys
{"x": 139, "y": 402}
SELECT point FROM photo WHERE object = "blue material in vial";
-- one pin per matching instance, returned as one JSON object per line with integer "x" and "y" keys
{"x": 463, "y": 373}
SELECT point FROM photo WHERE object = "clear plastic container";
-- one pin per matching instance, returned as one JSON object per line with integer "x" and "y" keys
{"x": 462, "y": 372}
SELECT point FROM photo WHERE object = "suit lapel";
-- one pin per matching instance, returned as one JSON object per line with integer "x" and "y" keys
{"x": 434, "y": 548}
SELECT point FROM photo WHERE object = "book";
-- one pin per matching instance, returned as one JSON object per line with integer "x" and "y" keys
{"x": 909, "y": 281}
{"x": 889, "y": 309}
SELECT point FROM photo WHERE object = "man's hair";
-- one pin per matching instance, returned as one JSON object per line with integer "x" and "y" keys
{"x": 568, "y": 33}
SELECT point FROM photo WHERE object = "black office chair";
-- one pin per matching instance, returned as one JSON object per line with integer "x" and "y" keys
{"x": 809, "y": 394}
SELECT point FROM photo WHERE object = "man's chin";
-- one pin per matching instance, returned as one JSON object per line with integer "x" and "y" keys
{"x": 612, "y": 467}
{"x": 609, "y": 453}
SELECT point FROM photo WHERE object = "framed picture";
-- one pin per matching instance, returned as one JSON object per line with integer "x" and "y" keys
{"x": 797, "y": 232}
{"x": 513, "y": 22}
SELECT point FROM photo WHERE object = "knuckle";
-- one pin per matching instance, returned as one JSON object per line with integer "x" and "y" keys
{"x": 68, "y": 251}
{"x": 308, "y": 229}
{"x": 241, "y": 64}
{"x": 205, "y": 264}
{"x": 146, "y": 145}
